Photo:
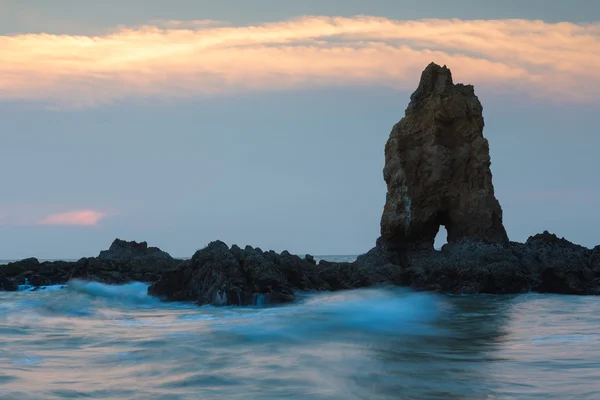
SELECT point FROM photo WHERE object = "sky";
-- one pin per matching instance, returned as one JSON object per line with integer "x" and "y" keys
{"x": 181, "y": 122}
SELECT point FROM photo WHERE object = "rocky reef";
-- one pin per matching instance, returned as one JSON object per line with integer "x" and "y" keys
{"x": 220, "y": 275}
{"x": 543, "y": 264}
{"x": 437, "y": 171}
{"x": 122, "y": 262}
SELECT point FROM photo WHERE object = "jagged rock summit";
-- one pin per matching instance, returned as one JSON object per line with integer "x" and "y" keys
{"x": 122, "y": 250}
{"x": 437, "y": 169}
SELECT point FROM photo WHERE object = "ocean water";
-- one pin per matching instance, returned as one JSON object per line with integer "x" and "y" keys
{"x": 94, "y": 341}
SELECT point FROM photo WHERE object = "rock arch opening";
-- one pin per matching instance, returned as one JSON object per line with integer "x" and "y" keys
{"x": 441, "y": 238}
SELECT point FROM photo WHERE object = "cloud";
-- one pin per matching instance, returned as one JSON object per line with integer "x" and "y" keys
{"x": 79, "y": 218}
{"x": 193, "y": 24}
{"x": 31, "y": 214}
{"x": 556, "y": 61}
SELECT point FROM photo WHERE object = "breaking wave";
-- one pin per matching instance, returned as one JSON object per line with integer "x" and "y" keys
{"x": 135, "y": 292}
{"x": 365, "y": 311}
{"x": 378, "y": 311}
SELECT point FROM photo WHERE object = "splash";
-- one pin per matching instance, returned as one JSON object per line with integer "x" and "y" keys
{"x": 25, "y": 287}
{"x": 135, "y": 292}
{"x": 259, "y": 299}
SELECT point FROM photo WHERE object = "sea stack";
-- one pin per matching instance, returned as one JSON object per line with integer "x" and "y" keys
{"x": 437, "y": 170}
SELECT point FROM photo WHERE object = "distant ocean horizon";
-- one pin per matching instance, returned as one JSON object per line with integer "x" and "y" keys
{"x": 331, "y": 258}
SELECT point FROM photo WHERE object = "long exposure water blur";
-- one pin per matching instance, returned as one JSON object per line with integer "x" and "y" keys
{"x": 88, "y": 340}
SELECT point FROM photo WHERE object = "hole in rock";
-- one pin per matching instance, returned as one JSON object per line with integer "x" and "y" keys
{"x": 441, "y": 238}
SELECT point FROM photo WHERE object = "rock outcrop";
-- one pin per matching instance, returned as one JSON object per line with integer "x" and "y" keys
{"x": 220, "y": 275}
{"x": 123, "y": 262}
{"x": 139, "y": 254}
{"x": 544, "y": 264}
{"x": 563, "y": 267}
{"x": 437, "y": 169}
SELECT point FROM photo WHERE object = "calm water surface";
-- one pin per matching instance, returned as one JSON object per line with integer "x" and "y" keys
{"x": 93, "y": 341}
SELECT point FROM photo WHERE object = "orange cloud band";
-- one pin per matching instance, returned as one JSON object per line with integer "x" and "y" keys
{"x": 81, "y": 218}
{"x": 179, "y": 59}
{"x": 27, "y": 214}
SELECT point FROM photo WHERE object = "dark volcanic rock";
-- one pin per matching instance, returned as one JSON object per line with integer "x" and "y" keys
{"x": 437, "y": 169}
{"x": 7, "y": 284}
{"x": 140, "y": 253}
{"x": 16, "y": 268}
{"x": 219, "y": 275}
{"x": 468, "y": 267}
{"x": 123, "y": 262}
{"x": 563, "y": 267}
{"x": 544, "y": 264}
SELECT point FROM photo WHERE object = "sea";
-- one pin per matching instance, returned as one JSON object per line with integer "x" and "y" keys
{"x": 86, "y": 340}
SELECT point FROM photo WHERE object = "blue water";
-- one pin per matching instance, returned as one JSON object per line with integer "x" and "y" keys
{"x": 89, "y": 340}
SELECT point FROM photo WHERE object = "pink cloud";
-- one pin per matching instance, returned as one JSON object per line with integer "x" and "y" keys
{"x": 180, "y": 59}
{"x": 79, "y": 218}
